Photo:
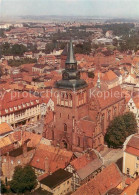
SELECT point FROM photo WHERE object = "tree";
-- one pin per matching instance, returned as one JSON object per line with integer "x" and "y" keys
{"x": 49, "y": 48}
{"x": 2, "y": 33}
{"x": 118, "y": 29}
{"x": 5, "y": 49}
{"x": 130, "y": 122}
{"x": 119, "y": 129}
{"x": 115, "y": 132}
{"x": 115, "y": 42}
{"x": 18, "y": 49}
{"x": 84, "y": 48}
{"x": 21, "y": 61}
{"x": 1, "y": 72}
{"x": 24, "y": 179}
{"x": 3, "y": 188}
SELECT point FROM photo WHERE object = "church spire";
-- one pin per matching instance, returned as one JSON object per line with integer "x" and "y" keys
{"x": 71, "y": 74}
{"x": 71, "y": 58}
{"x": 98, "y": 81}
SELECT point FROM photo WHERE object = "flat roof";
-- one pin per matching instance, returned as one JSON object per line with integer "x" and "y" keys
{"x": 56, "y": 178}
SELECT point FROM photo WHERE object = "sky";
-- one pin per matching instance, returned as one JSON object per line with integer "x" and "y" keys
{"x": 107, "y": 8}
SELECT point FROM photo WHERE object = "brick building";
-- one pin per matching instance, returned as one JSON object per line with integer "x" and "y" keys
{"x": 81, "y": 119}
{"x": 19, "y": 156}
{"x": 17, "y": 148}
{"x": 18, "y": 108}
{"x": 109, "y": 178}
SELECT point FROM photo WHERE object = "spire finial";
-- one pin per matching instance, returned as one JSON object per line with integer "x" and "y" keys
{"x": 98, "y": 81}
{"x": 71, "y": 58}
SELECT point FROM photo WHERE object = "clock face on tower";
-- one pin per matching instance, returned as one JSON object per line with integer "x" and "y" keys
{"x": 65, "y": 75}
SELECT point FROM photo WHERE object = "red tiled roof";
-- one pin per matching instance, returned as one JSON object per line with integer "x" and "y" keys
{"x": 34, "y": 138}
{"x": 133, "y": 151}
{"x": 27, "y": 78}
{"x": 109, "y": 76}
{"x": 134, "y": 141}
{"x": 83, "y": 160}
{"x": 109, "y": 178}
{"x": 14, "y": 99}
{"x": 109, "y": 97}
{"x": 129, "y": 180}
{"x": 5, "y": 128}
{"x": 54, "y": 157}
{"x": 6, "y": 143}
{"x": 132, "y": 188}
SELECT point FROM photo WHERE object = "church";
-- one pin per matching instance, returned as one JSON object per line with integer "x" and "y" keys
{"x": 79, "y": 121}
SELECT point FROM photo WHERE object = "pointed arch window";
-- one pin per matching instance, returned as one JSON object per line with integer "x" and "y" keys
{"x": 78, "y": 141}
{"x": 109, "y": 115}
{"x": 102, "y": 121}
{"x": 66, "y": 96}
{"x": 65, "y": 127}
{"x": 115, "y": 111}
{"x": 70, "y": 100}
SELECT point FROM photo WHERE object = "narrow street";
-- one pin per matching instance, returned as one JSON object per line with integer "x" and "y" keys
{"x": 110, "y": 155}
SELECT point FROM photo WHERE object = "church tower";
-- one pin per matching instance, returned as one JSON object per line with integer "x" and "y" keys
{"x": 70, "y": 106}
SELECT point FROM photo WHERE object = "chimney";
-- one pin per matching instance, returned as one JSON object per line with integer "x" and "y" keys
{"x": 47, "y": 166}
{"x": 54, "y": 114}
{"x": 24, "y": 147}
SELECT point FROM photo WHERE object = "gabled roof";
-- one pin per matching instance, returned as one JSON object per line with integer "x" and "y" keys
{"x": 56, "y": 158}
{"x": 15, "y": 101}
{"x": 6, "y": 143}
{"x": 132, "y": 146}
{"x": 58, "y": 177}
{"x": 83, "y": 160}
{"x": 109, "y": 76}
{"x": 5, "y": 128}
{"x": 109, "y": 97}
{"x": 89, "y": 168}
{"x": 40, "y": 66}
{"x": 132, "y": 188}
{"x": 109, "y": 178}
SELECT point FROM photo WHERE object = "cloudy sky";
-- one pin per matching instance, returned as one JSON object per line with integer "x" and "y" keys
{"x": 112, "y": 8}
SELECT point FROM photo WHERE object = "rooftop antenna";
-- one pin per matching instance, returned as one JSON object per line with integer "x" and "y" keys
{"x": 98, "y": 81}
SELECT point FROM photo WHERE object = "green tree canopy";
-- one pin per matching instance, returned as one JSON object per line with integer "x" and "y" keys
{"x": 3, "y": 188}
{"x": 19, "y": 62}
{"x": 84, "y": 48}
{"x": 24, "y": 179}
{"x": 18, "y": 49}
{"x": 130, "y": 122}
{"x": 5, "y": 49}
{"x": 2, "y": 33}
{"x": 119, "y": 129}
